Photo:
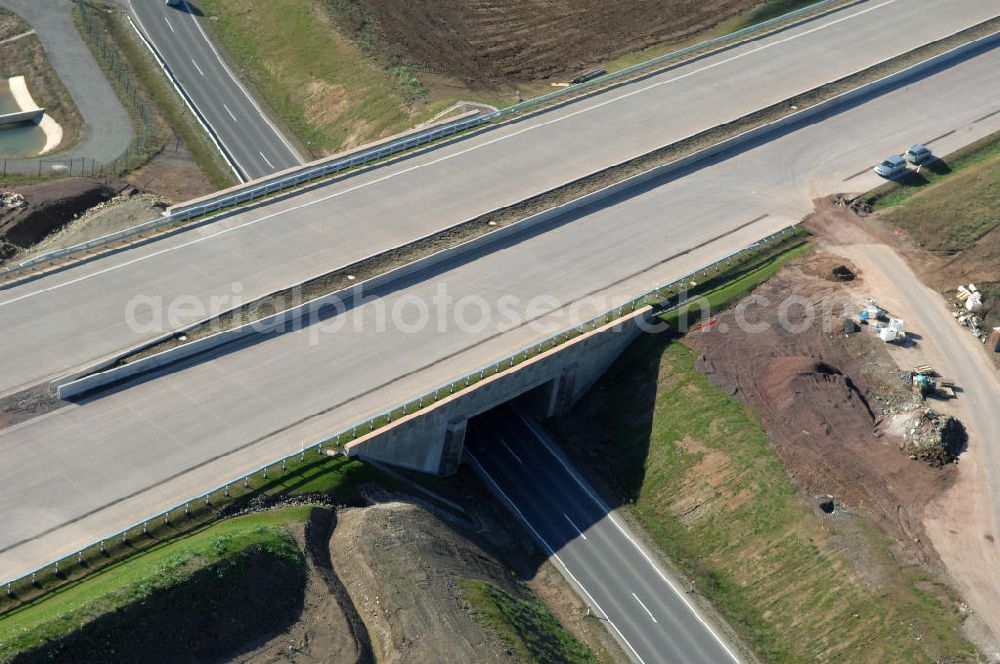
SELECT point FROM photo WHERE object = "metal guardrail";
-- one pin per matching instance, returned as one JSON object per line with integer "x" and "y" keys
{"x": 409, "y": 407}
{"x": 306, "y": 174}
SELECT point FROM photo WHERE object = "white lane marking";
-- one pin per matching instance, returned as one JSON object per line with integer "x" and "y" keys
{"x": 230, "y": 113}
{"x": 644, "y": 607}
{"x": 169, "y": 25}
{"x": 147, "y": 39}
{"x": 575, "y": 527}
{"x": 512, "y": 453}
{"x": 353, "y": 188}
{"x": 720, "y": 63}
{"x": 553, "y": 554}
{"x": 246, "y": 94}
{"x": 265, "y": 158}
{"x": 197, "y": 67}
{"x": 642, "y": 551}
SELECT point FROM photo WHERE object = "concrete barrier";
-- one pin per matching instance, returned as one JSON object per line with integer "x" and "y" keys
{"x": 105, "y": 373}
{"x": 29, "y": 110}
{"x": 31, "y": 115}
{"x": 289, "y": 180}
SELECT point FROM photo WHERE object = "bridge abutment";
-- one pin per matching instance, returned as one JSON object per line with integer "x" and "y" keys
{"x": 432, "y": 440}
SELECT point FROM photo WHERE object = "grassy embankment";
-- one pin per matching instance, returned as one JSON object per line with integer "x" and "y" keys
{"x": 337, "y": 84}
{"x": 525, "y": 625}
{"x": 949, "y": 207}
{"x": 331, "y": 91}
{"x": 147, "y": 78}
{"x": 697, "y": 472}
{"x": 129, "y": 584}
{"x": 337, "y": 477}
{"x": 135, "y": 580}
{"x": 952, "y": 208}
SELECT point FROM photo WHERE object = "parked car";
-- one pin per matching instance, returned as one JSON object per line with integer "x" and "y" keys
{"x": 918, "y": 154}
{"x": 892, "y": 167}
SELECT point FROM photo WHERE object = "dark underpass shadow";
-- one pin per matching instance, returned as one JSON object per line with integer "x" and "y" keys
{"x": 608, "y": 435}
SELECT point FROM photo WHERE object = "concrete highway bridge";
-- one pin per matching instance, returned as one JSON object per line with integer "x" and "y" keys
{"x": 115, "y": 456}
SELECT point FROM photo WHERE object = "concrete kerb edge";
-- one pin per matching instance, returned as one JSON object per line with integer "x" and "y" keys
{"x": 795, "y": 17}
{"x": 535, "y": 359}
{"x": 99, "y": 375}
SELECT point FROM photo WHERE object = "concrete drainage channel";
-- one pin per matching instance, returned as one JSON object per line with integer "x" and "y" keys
{"x": 212, "y": 208}
{"x": 343, "y": 285}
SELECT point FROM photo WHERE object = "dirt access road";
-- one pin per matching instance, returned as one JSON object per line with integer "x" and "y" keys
{"x": 964, "y": 523}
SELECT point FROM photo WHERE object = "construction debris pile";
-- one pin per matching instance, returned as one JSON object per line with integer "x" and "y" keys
{"x": 968, "y": 305}
{"x": 935, "y": 438}
{"x": 853, "y": 203}
{"x": 926, "y": 382}
{"x": 888, "y": 329}
{"x": 11, "y": 200}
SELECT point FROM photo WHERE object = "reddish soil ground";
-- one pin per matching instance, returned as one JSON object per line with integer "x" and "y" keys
{"x": 808, "y": 382}
{"x": 484, "y": 42}
{"x": 172, "y": 174}
{"x": 50, "y": 205}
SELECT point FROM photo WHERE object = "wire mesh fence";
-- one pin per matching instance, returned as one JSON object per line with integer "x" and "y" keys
{"x": 147, "y": 133}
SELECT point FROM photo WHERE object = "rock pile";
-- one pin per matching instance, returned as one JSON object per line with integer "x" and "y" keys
{"x": 935, "y": 438}
{"x": 11, "y": 200}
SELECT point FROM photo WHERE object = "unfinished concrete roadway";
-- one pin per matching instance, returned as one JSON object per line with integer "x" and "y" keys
{"x": 65, "y": 320}
{"x": 91, "y": 468}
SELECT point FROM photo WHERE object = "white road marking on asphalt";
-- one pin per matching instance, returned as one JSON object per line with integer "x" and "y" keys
{"x": 147, "y": 38}
{"x": 230, "y": 113}
{"x": 553, "y": 554}
{"x": 644, "y": 607}
{"x": 642, "y": 551}
{"x": 197, "y": 67}
{"x": 252, "y": 101}
{"x": 575, "y": 527}
{"x": 355, "y": 187}
{"x": 512, "y": 453}
{"x": 265, "y": 159}
{"x": 169, "y": 24}
{"x": 718, "y": 64}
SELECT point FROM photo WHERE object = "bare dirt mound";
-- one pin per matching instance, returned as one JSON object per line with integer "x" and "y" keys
{"x": 401, "y": 566}
{"x": 328, "y": 628}
{"x": 813, "y": 398}
{"x": 40, "y": 209}
{"x": 830, "y": 267}
{"x": 490, "y": 41}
